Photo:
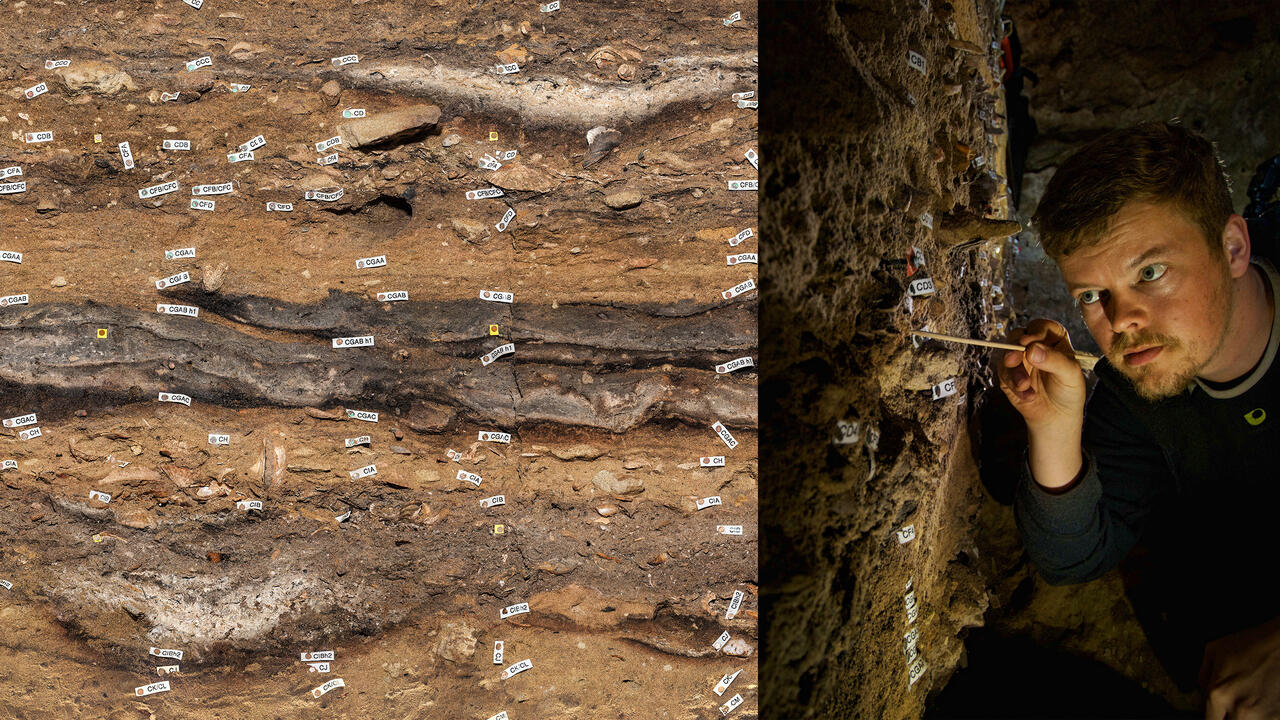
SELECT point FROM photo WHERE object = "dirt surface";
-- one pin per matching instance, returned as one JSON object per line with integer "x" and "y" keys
{"x": 618, "y": 321}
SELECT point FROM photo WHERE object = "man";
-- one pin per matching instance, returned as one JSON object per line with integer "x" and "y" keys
{"x": 1172, "y": 461}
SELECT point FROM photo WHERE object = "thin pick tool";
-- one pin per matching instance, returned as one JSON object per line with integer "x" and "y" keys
{"x": 1086, "y": 361}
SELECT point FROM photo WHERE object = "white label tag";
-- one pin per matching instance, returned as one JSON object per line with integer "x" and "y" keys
{"x": 344, "y": 516}
{"x": 497, "y": 353}
{"x": 176, "y": 398}
{"x": 720, "y": 641}
{"x": 980, "y": 161}
{"x": 12, "y": 188}
{"x": 126, "y": 156}
{"x": 39, "y": 137}
{"x": 319, "y": 667}
{"x": 507, "y": 155}
{"x": 393, "y": 296}
{"x": 253, "y": 143}
{"x": 179, "y": 253}
{"x": 36, "y": 90}
{"x": 728, "y": 707}
{"x": 749, "y": 105}
{"x": 488, "y": 163}
{"x": 742, "y": 95}
{"x": 517, "y": 668}
{"x": 921, "y": 287}
{"x": 279, "y": 207}
{"x": 482, "y": 194}
{"x": 10, "y": 256}
{"x": 167, "y": 97}
{"x": 217, "y": 189}
{"x": 14, "y": 300}
{"x": 325, "y": 196}
{"x": 319, "y": 655}
{"x": 364, "y": 472}
{"x": 9, "y": 465}
{"x": 725, "y": 435}
{"x": 472, "y": 478}
{"x": 734, "y": 604}
{"x": 161, "y": 189}
{"x": 371, "y": 262}
{"x": 178, "y": 279}
{"x": 735, "y": 17}
{"x": 358, "y": 341}
{"x": 916, "y": 671}
{"x": 909, "y": 600}
{"x": 159, "y": 652}
{"x": 754, "y": 158}
{"x": 240, "y": 87}
{"x": 29, "y": 434}
{"x": 362, "y": 440}
{"x": 740, "y": 288}
{"x": 494, "y": 501}
{"x": 326, "y": 144}
{"x": 219, "y": 439}
{"x": 363, "y": 415}
{"x": 906, "y": 534}
{"x": 198, "y": 204}
{"x": 725, "y": 682}
{"x": 927, "y": 220}
{"x": 334, "y": 683}
{"x": 453, "y": 455}
{"x": 729, "y": 529}
{"x": 742, "y": 258}
{"x": 55, "y": 64}
{"x": 500, "y": 716}
{"x": 187, "y": 310}
{"x": 198, "y": 63}
{"x": 517, "y": 609}
{"x": 707, "y": 502}
{"x": 6, "y": 584}
{"x": 20, "y": 421}
{"x": 507, "y": 69}
{"x": 143, "y": 691}
{"x": 497, "y": 652}
{"x": 495, "y": 296}
{"x": 550, "y": 7}
{"x": 910, "y": 638}
{"x": 166, "y": 669}
{"x": 498, "y": 437}
{"x": 506, "y": 220}
{"x": 247, "y": 505}
{"x": 353, "y": 113}
{"x": 331, "y": 159}
{"x": 946, "y": 388}
{"x": 712, "y": 461}
{"x": 345, "y": 60}
{"x": 241, "y": 156}
{"x": 11, "y": 171}
{"x": 915, "y": 61}
{"x": 737, "y": 364}
{"x": 744, "y": 184}
{"x": 847, "y": 432}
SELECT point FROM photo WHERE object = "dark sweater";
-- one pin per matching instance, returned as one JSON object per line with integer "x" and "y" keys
{"x": 1190, "y": 485}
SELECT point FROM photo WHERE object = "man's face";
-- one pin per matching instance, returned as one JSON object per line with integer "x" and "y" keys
{"x": 1153, "y": 296}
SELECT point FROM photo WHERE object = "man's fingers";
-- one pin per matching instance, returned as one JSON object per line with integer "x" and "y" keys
{"x": 1057, "y": 363}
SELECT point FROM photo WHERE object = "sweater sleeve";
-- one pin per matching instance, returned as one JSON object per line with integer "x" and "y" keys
{"x": 1077, "y": 535}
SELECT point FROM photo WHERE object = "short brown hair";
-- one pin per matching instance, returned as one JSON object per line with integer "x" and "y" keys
{"x": 1151, "y": 162}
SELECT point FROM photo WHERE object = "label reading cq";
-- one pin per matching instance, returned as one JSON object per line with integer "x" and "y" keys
{"x": 360, "y": 341}
{"x": 393, "y": 296}
{"x": 199, "y": 204}
{"x": 334, "y": 683}
{"x": 517, "y": 609}
{"x": 143, "y": 691}
{"x": 494, "y": 501}
{"x": 279, "y": 207}
{"x": 178, "y": 279}
{"x": 724, "y": 434}
{"x": 30, "y": 434}
{"x": 219, "y": 439}
{"x": 496, "y": 353}
{"x": 736, "y": 364}
{"x": 187, "y": 310}
{"x": 712, "y": 461}
{"x": 498, "y": 437}
{"x": 161, "y": 189}
{"x": 36, "y": 90}
{"x": 176, "y": 398}
{"x": 353, "y": 113}
{"x": 492, "y": 192}
{"x": 707, "y": 502}
{"x": 472, "y": 478}
{"x": 517, "y": 668}
{"x": 372, "y": 262}
{"x": 734, "y": 605}
{"x": 364, "y": 415}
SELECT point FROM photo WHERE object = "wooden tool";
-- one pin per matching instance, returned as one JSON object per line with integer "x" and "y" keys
{"x": 1086, "y": 361}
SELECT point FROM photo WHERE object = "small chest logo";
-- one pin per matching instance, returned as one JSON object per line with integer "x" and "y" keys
{"x": 1257, "y": 416}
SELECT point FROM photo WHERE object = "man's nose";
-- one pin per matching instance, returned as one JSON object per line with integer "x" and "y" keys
{"x": 1128, "y": 312}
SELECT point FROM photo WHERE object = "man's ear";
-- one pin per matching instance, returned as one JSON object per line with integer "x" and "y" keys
{"x": 1236, "y": 245}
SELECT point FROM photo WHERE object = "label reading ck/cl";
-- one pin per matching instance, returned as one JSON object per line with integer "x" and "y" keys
{"x": 371, "y": 262}
{"x": 182, "y": 277}
{"x": 161, "y": 189}
{"x": 724, "y": 434}
{"x": 176, "y": 398}
{"x": 498, "y": 437}
{"x": 740, "y": 288}
{"x": 334, "y": 683}
{"x": 143, "y": 691}
{"x": 472, "y": 478}
{"x": 707, "y": 502}
{"x": 187, "y": 310}
{"x": 712, "y": 461}
{"x": 517, "y": 668}
{"x": 737, "y": 364}
{"x": 346, "y": 342}
{"x": 517, "y": 609}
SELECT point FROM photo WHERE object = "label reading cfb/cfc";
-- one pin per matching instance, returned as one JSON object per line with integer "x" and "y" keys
{"x": 279, "y": 207}
{"x": 393, "y": 295}
{"x": 179, "y": 253}
{"x": 188, "y": 310}
{"x": 219, "y": 439}
{"x": 359, "y": 341}
{"x": 20, "y": 421}
{"x": 325, "y": 196}
{"x": 200, "y": 204}
{"x": 161, "y": 652}
{"x": 711, "y": 461}
{"x": 740, "y": 288}
{"x": 12, "y": 188}
{"x": 364, "y": 415}
{"x": 744, "y": 184}
{"x": 498, "y": 437}
{"x": 492, "y": 192}
{"x": 216, "y": 189}
{"x": 319, "y": 655}
{"x": 707, "y": 502}
{"x": 143, "y": 691}
{"x": 742, "y": 258}
{"x": 946, "y": 388}
{"x": 497, "y": 652}
{"x": 495, "y": 296}
{"x": 39, "y": 137}
{"x": 516, "y": 609}
{"x": 494, "y": 501}
{"x": 178, "y": 279}
{"x": 31, "y": 434}
{"x": 736, "y": 364}
{"x": 364, "y": 472}
{"x": 472, "y": 478}
{"x": 345, "y": 60}
{"x": 36, "y": 90}
{"x": 176, "y": 398}
{"x": 729, "y": 529}
{"x": 362, "y": 440}
{"x": 735, "y": 604}
{"x": 724, "y": 434}
{"x": 353, "y": 113}
{"x": 737, "y": 239}
{"x": 517, "y": 668}
{"x": 8, "y": 300}
{"x": 248, "y": 505}
{"x": 497, "y": 352}
{"x": 334, "y": 683}
{"x": 161, "y": 189}
{"x": 372, "y": 262}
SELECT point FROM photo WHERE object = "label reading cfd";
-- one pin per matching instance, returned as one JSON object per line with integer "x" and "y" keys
{"x": 182, "y": 277}
{"x": 176, "y": 398}
{"x": 517, "y": 609}
{"x": 187, "y": 310}
{"x": 712, "y": 461}
{"x": 737, "y": 364}
{"x": 735, "y": 604}
{"x": 472, "y": 478}
{"x": 498, "y": 437}
{"x": 740, "y": 288}
{"x": 517, "y": 668}
{"x": 364, "y": 415}
{"x": 494, "y": 501}
{"x": 393, "y": 296}
{"x": 219, "y": 439}
{"x": 372, "y": 262}
{"x": 360, "y": 341}
{"x": 279, "y": 207}
{"x": 200, "y": 204}
{"x": 707, "y": 502}
{"x": 161, "y": 189}
{"x": 506, "y": 220}
{"x": 724, "y": 434}
{"x": 497, "y": 353}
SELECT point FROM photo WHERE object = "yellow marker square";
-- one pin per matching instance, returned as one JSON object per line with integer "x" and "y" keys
{"x": 493, "y": 136}
{"x": 97, "y": 538}
{"x": 97, "y": 137}
{"x": 499, "y": 529}
{"x": 493, "y": 329}
{"x": 102, "y": 332}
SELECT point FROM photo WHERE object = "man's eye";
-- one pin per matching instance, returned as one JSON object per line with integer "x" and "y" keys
{"x": 1088, "y": 297}
{"x": 1152, "y": 271}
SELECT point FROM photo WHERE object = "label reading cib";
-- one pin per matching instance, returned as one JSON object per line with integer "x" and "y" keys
{"x": 176, "y": 398}
{"x": 707, "y": 502}
{"x": 10, "y": 256}
{"x": 740, "y": 258}
{"x": 36, "y": 90}
{"x": 13, "y": 188}
{"x": 345, "y": 60}
{"x": 724, "y": 434}
{"x": 744, "y": 184}
{"x": 200, "y": 204}
{"x": 494, "y": 501}
{"x": 364, "y": 415}
{"x": 498, "y": 437}
{"x": 737, "y": 364}
{"x": 178, "y": 279}
{"x": 187, "y": 310}
{"x": 711, "y": 461}
{"x": 372, "y": 262}
{"x": 494, "y": 296}
{"x": 393, "y": 296}
{"x": 20, "y": 421}
{"x": 219, "y": 439}
{"x": 161, "y": 189}
{"x": 482, "y": 194}
{"x": 30, "y": 434}
{"x": 279, "y": 207}
{"x": 39, "y": 137}
{"x": 946, "y": 388}
{"x": 921, "y": 287}
{"x": 472, "y": 478}
{"x": 248, "y": 505}
{"x": 364, "y": 472}
{"x": 362, "y": 440}
{"x": 361, "y": 341}
{"x": 353, "y": 113}
{"x": 217, "y": 189}
{"x": 162, "y": 686}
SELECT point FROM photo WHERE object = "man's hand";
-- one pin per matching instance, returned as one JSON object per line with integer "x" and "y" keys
{"x": 1241, "y": 675}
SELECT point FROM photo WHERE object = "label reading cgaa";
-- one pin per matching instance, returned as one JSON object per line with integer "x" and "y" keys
{"x": 36, "y": 90}
{"x": 176, "y": 398}
{"x": 497, "y": 353}
{"x": 279, "y": 207}
{"x": 161, "y": 189}
{"x": 740, "y": 288}
{"x": 198, "y": 204}
{"x": 353, "y": 113}
{"x": 707, "y": 502}
{"x": 497, "y": 652}
{"x": 742, "y": 258}
{"x": 334, "y": 683}
{"x": 10, "y": 256}
{"x": 498, "y": 437}
{"x": 39, "y": 137}
{"x": 219, "y": 439}
{"x": 734, "y": 604}
{"x": 371, "y": 262}
{"x": 30, "y": 434}
{"x": 506, "y": 220}
{"x": 517, "y": 668}
{"x": 364, "y": 472}
{"x": 162, "y": 686}
{"x": 362, "y": 440}
{"x": 494, "y": 501}
{"x": 744, "y": 184}
{"x": 345, "y": 60}
{"x": 472, "y": 478}
{"x": 198, "y": 63}
{"x": 360, "y": 341}
{"x": 178, "y": 279}
{"x": 365, "y": 415}
{"x": 725, "y": 435}
{"x": 482, "y": 194}
{"x": 947, "y": 388}
{"x": 713, "y": 461}
{"x": 517, "y": 609}
{"x": 11, "y": 188}
{"x": 729, "y": 529}
{"x": 179, "y": 253}
{"x": 393, "y": 296}
{"x": 187, "y": 310}
{"x": 735, "y": 365}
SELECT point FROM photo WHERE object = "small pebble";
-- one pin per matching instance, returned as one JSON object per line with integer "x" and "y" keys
{"x": 59, "y": 282}
{"x": 451, "y": 140}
